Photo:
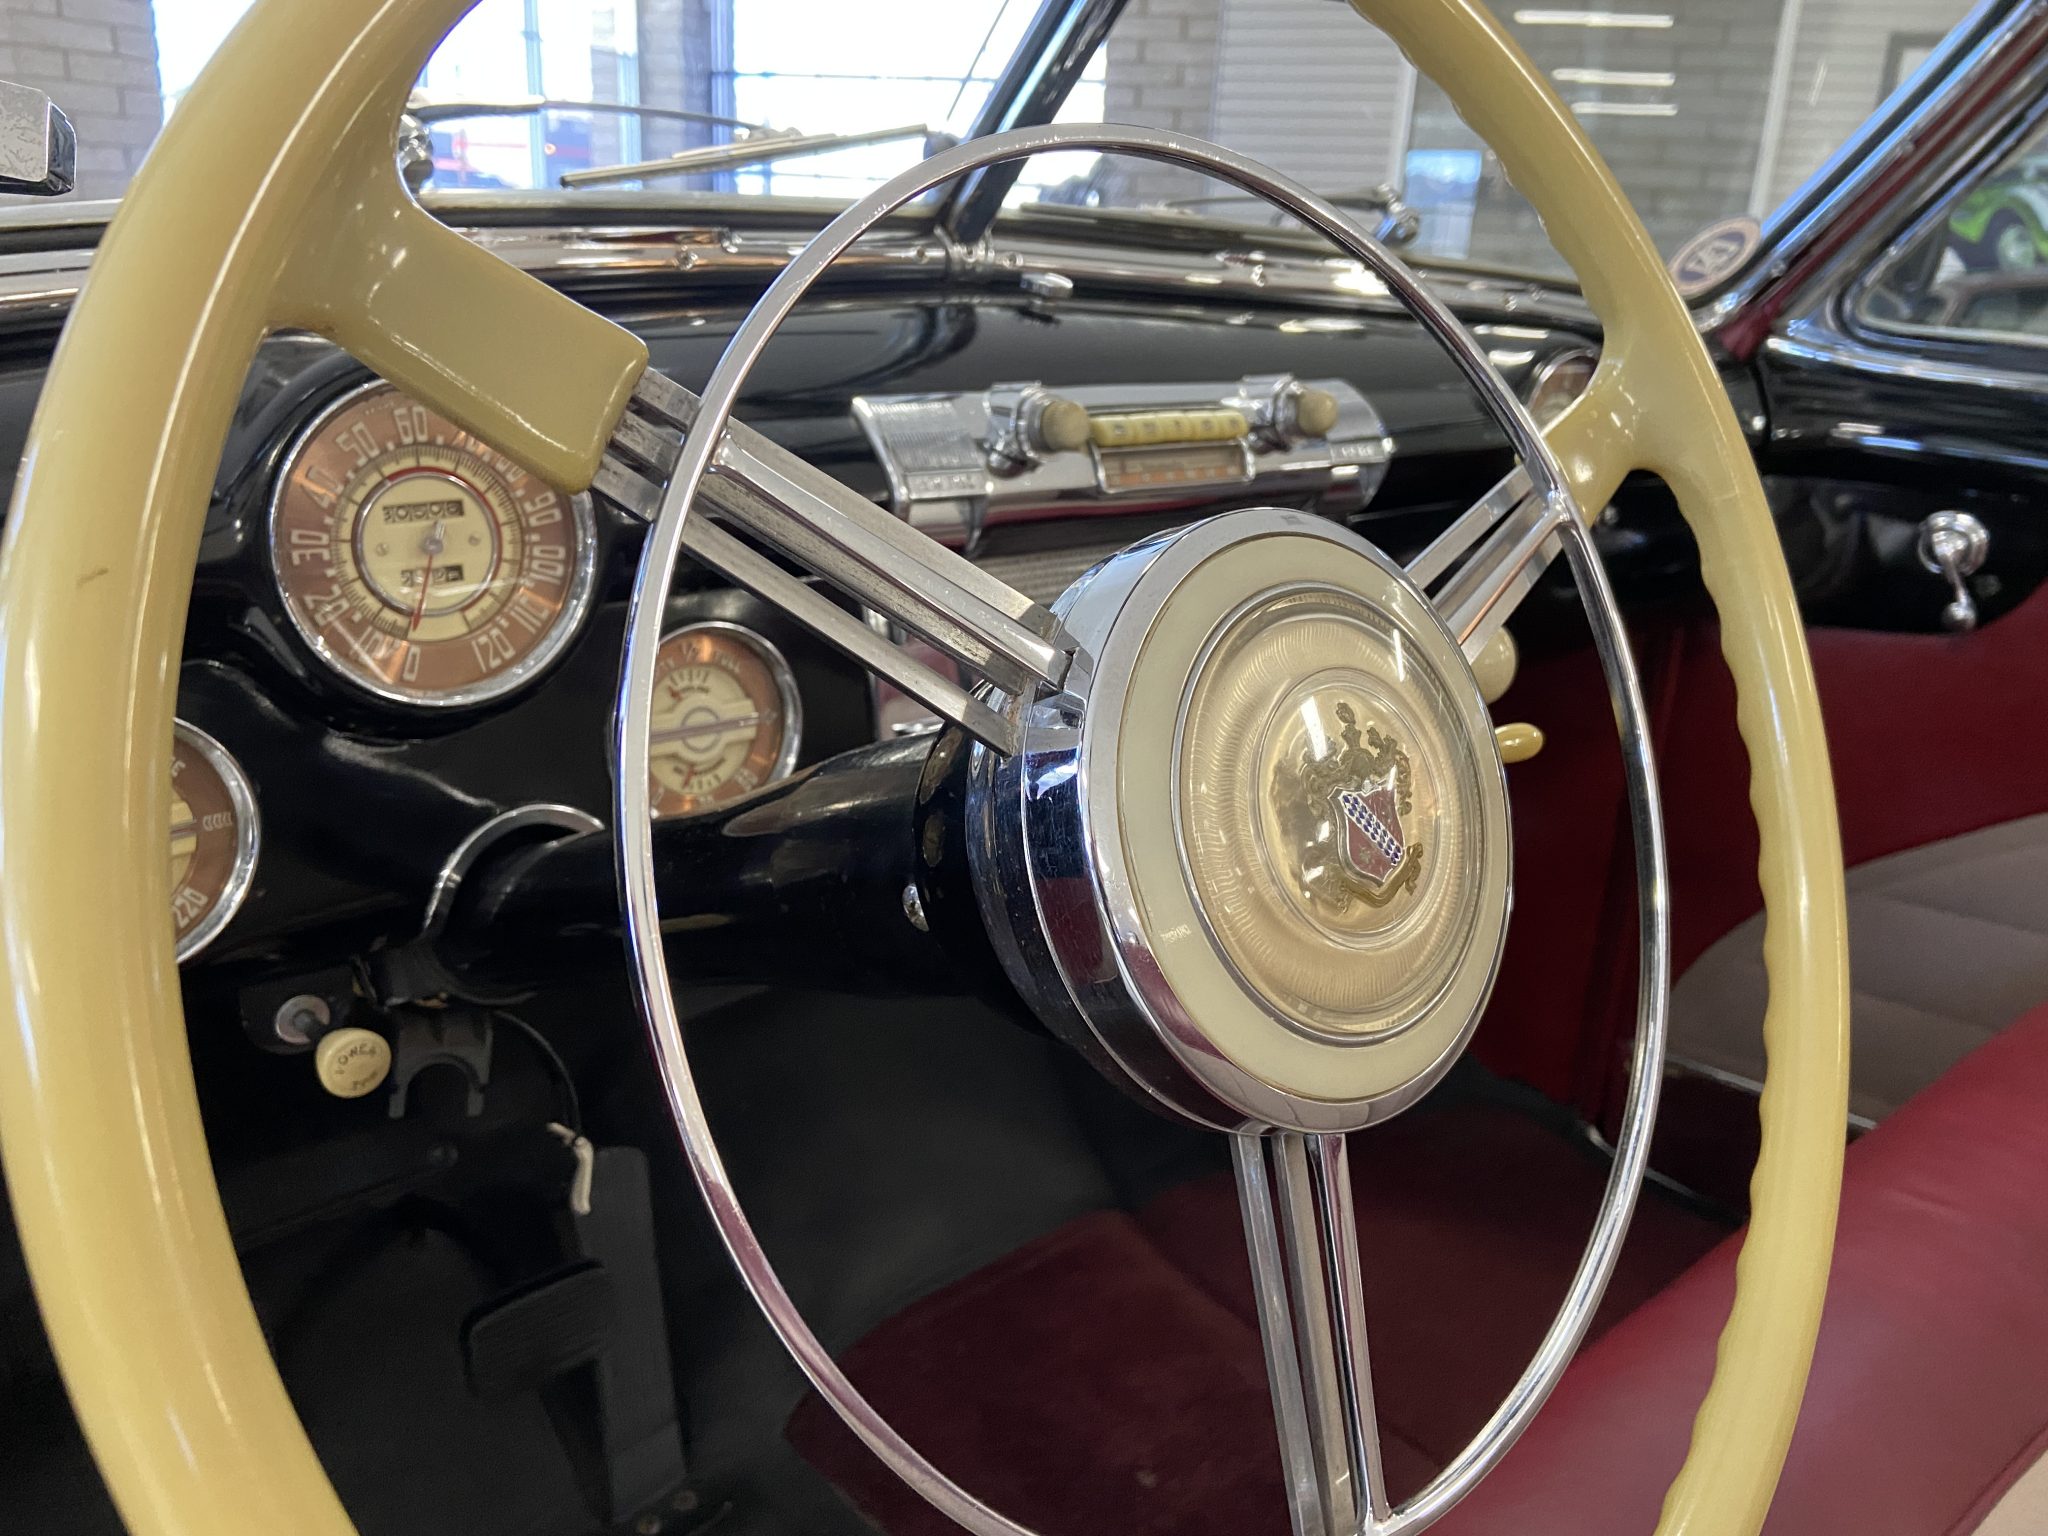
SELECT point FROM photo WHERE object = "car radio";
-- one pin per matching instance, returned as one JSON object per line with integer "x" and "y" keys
{"x": 960, "y": 463}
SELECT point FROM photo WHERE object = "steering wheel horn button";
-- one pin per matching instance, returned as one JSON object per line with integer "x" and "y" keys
{"x": 1302, "y": 932}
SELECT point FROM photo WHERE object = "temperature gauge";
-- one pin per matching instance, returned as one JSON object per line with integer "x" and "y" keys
{"x": 214, "y": 834}
{"x": 726, "y": 718}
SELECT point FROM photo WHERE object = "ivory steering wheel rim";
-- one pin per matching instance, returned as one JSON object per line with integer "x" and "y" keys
{"x": 272, "y": 201}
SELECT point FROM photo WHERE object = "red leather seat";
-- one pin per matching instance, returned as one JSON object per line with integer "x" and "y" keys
{"x": 1929, "y": 1395}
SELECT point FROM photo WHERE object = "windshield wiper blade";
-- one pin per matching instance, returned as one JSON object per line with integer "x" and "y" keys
{"x": 428, "y": 111}
{"x": 775, "y": 144}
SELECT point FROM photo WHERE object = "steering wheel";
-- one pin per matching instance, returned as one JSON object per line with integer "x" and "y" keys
{"x": 1285, "y": 951}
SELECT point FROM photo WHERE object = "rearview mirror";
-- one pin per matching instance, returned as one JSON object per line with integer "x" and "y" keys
{"x": 38, "y": 150}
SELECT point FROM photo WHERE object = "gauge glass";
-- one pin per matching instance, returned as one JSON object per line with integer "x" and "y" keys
{"x": 419, "y": 562}
{"x": 726, "y": 718}
{"x": 1560, "y": 381}
{"x": 214, "y": 834}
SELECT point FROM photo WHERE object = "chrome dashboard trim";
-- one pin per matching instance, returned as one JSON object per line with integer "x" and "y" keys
{"x": 248, "y": 838}
{"x": 567, "y": 819}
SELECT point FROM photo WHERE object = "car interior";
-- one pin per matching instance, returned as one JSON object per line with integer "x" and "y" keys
{"x": 1224, "y": 766}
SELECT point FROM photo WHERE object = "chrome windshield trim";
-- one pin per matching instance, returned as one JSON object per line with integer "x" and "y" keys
{"x": 39, "y": 286}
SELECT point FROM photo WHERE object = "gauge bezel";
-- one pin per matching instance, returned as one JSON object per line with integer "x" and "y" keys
{"x": 779, "y": 672}
{"x": 577, "y": 599}
{"x": 1544, "y": 372}
{"x": 248, "y": 839}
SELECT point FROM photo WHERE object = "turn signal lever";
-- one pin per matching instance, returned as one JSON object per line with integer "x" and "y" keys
{"x": 1953, "y": 545}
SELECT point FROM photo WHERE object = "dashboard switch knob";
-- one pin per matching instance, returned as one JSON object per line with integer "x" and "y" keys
{"x": 352, "y": 1062}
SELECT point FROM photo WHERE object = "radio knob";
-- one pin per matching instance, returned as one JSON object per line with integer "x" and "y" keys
{"x": 1061, "y": 425}
{"x": 1286, "y": 412}
{"x": 1315, "y": 413}
{"x": 1028, "y": 422}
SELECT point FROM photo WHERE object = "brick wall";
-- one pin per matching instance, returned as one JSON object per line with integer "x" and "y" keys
{"x": 1307, "y": 86}
{"x": 1161, "y": 73}
{"x": 97, "y": 60}
{"x": 1838, "y": 75}
{"x": 1681, "y": 171}
{"x": 1313, "y": 91}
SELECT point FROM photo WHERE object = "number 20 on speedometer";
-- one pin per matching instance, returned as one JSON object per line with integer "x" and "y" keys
{"x": 417, "y": 561}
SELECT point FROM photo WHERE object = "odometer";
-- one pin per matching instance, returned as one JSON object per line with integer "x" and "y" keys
{"x": 214, "y": 837}
{"x": 418, "y": 561}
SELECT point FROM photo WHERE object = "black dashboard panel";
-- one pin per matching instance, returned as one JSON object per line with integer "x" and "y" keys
{"x": 363, "y": 801}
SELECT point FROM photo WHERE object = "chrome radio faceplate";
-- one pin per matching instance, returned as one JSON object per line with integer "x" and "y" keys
{"x": 960, "y": 463}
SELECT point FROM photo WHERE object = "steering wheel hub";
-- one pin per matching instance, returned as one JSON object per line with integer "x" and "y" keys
{"x": 1278, "y": 778}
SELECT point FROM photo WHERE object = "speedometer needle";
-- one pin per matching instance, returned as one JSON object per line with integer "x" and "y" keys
{"x": 431, "y": 546}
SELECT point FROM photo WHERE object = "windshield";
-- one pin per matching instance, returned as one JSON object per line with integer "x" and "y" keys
{"x": 1706, "y": 109}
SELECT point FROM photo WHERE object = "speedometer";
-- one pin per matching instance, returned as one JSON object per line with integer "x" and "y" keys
{"x": 420, "y": 563}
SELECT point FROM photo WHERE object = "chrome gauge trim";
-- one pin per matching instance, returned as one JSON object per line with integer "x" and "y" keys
{"x": 1549, "y": 369}
{"x": 248, "y": 838}
{"x": 568, "y": 819}
{"x": 576, "y": 605}
{"x": 778, "y": 669}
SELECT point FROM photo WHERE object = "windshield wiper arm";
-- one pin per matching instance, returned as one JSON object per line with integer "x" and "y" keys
{"x": 427, "y": 111}
{"x": 775, "y": 144}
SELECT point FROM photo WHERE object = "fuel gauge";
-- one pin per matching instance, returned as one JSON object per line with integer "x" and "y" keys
{"x": 727, "y": 718}
{"x": 214, "y": 834}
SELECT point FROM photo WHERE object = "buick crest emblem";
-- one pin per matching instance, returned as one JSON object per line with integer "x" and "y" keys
{"x": 1372, "y": 845}
{"x": 1348, "y": 808}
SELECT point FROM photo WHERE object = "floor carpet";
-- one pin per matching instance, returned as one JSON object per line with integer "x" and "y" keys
{"x": 1108, "y": 1377}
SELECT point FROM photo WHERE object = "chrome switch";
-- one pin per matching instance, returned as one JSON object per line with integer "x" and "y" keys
{"x": 1953, "y": 545}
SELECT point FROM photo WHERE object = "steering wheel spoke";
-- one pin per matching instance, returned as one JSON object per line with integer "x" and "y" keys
{"x": 532, "y": 372}
{"x": 1507, "y": 540}
{"x": 992, "y": 632}
{"x": 1295, "y": 1195}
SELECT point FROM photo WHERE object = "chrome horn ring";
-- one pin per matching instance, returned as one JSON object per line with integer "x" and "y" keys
{"x": 1314, "y": 1331}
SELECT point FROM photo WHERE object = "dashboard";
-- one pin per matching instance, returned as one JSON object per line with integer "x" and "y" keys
{"x": 397, "y": 635}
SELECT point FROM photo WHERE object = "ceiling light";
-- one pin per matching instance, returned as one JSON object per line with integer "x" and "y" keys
{"x": 1625, "y": 109}
{"x": 1657, "y": 79}
{"x": 1647, "y": 20}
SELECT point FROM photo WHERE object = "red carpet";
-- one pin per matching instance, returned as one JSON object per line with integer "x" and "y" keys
{"x": 1108, "y": 1377}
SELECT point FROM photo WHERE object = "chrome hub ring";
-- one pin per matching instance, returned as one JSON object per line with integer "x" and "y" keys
{"x": 1265, "y": 829}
